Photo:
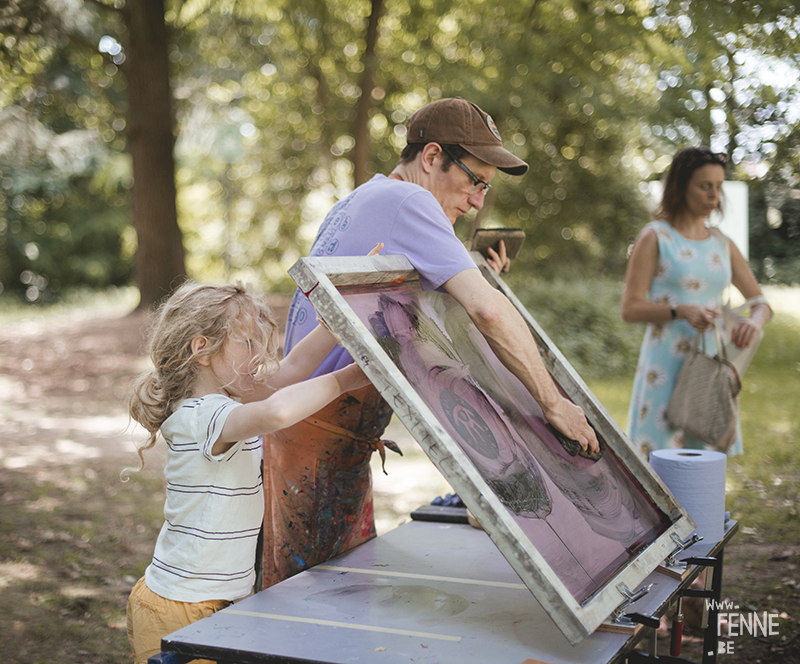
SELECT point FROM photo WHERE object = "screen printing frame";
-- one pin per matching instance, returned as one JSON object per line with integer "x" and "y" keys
{"x": 322, "y": 279}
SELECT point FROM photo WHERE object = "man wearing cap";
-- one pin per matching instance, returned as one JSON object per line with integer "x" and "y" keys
{"x": 317, "y": 479}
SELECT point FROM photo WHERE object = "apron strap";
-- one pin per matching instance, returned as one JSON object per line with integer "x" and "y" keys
{"x": 376, "y": 444}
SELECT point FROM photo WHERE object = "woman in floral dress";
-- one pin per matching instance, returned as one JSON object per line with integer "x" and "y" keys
{"x": 676, "y": 274}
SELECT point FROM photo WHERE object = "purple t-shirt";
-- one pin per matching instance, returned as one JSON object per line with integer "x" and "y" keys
{"x": 407, "y": 219}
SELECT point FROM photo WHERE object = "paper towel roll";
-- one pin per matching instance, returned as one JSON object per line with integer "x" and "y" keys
{"x": 697, "y": 480}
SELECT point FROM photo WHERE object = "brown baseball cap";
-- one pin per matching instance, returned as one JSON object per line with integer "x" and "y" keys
{"x": 459, "y": 122}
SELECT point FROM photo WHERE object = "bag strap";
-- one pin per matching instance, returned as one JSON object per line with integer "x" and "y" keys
{"x": 720, "y": 346}
{"x": 699, "y": 338}
{"x": 699, "y": 343}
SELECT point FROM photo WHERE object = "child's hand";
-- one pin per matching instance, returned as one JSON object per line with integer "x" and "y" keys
{"x": 376, "y": 249}
{"x": 351, "y": 378}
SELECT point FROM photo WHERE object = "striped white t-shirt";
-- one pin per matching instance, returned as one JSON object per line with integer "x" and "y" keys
{"x": 214, "y": 507}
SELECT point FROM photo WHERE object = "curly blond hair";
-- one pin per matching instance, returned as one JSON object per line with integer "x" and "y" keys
{"x": 218, "y": 313}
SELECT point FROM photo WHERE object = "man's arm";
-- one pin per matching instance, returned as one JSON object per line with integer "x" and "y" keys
{"x": 511, "y": 340}
{"x": 303, "y": 359}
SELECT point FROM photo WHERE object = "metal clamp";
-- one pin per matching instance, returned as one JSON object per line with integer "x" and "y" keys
{"x": 651, "y": 622}
{"x": 630, "y": 598}
{"x": 682, "y": 545}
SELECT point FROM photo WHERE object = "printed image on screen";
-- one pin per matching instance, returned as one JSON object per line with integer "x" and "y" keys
{"x": 587, "y": 518}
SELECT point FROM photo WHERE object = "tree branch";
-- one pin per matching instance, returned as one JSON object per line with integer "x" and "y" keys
{"x": 531, "y": 13}
{"x": 105, "y": 7}
{"x": 84, "y": 43}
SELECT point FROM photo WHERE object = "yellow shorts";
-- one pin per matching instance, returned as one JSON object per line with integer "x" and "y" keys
{"x": 151, "y": 617}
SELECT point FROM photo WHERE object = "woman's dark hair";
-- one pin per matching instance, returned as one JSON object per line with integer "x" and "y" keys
{"x": 676, "y": 182}
{"x": 411, "y": 151}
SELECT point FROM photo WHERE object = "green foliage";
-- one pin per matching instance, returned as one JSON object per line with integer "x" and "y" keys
{"x": 775, "y": 252}
{"x": 615, "y": 395}
{"x": 60, "y": 228}
{"x": 64, "y": 207}
{"x": 88, "y": 301}
{"x": 582, "y": 318}
{"x": 775, "y": 225}
{"x": 559, "y": 88}
{"x": 77, "y": 247}
{"x": 595, "y": 96}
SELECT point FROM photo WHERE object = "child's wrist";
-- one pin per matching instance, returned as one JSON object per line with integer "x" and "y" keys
{"x": 341, "y": 379}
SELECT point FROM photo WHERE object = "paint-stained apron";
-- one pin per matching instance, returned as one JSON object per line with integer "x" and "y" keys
{"x": 317, "y": 484}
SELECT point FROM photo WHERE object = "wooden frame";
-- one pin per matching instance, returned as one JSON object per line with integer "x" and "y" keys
{"x": 336, "y": 285}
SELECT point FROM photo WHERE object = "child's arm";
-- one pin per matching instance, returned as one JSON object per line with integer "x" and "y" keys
{"x": 298, "y": 365}
{"x": 287, "y": 406}
{"x": 303, "y": 359}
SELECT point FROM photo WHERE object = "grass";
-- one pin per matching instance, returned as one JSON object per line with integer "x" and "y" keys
{"x": 764, "y": 483}
{"x": 71, "y": 546}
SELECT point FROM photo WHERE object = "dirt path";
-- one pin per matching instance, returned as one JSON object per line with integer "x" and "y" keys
{"x": 74, "y": 537}
{"x": 63, "y": 385}
{"x": 63, "y": 391}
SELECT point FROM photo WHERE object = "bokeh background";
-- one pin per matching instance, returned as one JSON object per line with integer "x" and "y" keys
{"x": 146, "y": 141}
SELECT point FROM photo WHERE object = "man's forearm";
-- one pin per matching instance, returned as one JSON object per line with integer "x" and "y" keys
{"x": 511, "y": 340}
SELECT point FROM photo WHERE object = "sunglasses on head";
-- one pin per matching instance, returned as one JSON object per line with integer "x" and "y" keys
{"x": 706, "y": 156}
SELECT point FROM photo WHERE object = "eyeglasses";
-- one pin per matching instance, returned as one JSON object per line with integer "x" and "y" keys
{"x": 478, "y": 185}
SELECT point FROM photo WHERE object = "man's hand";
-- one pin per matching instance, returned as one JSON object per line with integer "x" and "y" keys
{"x": 498, "y": 261}
{"x": 570, "y": 420}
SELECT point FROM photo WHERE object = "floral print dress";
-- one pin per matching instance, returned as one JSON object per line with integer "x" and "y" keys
{"x": 689, "y": 272}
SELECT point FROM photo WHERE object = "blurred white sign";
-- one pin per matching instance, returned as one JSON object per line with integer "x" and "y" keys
{"x": 735, "y": 222}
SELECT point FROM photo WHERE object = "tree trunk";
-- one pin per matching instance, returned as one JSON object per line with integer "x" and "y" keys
{"x": 361, "y": 150}
{"x": 159, "y": 258}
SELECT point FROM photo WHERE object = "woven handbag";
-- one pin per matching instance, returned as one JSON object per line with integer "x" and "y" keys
{"x": 705, "y": 401}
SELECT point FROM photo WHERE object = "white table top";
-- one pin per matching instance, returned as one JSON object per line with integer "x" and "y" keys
{"x": 424, "y": 592}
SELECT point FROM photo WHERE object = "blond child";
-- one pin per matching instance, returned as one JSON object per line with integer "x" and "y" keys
{"x": 211, "y": 347}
